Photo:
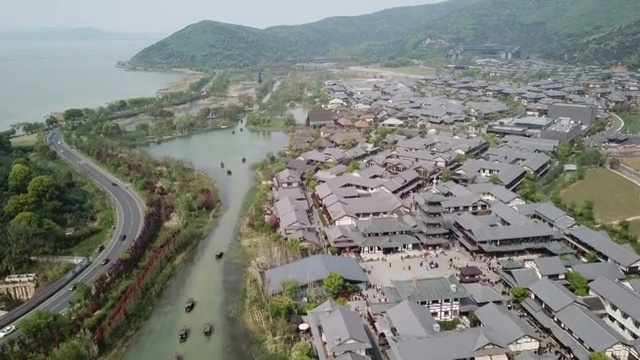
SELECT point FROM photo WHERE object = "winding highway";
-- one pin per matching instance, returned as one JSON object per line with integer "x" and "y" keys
{"x": 130, "y": 216}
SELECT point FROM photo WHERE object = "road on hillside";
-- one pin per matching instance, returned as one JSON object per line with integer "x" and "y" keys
{"x": 130, "y": 215}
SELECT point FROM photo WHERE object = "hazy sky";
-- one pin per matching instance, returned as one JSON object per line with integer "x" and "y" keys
{"x": 164, "y": 16}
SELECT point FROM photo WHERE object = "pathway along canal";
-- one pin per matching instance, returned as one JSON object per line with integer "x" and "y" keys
{"x": 214, "y": 285}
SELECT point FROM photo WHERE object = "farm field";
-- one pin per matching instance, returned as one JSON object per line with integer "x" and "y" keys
{"x": 614, "y": 197}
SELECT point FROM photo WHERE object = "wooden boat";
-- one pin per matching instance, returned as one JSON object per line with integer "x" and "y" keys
{"x": 233, "y": 132}
{"x": 222, "y": 164}
{"x": 176, "y": 356}
{"x": 207, "y": 330}
{"x": 241, "y": 129}
{"x": 219, "y": 255}
{"x": 190, "y": 304}
{"x": 228, "y": 172}
{"x": 183, "y": 334}
{"x": 244, "y": 160}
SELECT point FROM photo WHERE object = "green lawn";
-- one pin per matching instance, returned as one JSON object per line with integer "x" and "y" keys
{"x": 631, "y": 123}
{"x": 24, "y": 140}
{"x": 615, "y": 198}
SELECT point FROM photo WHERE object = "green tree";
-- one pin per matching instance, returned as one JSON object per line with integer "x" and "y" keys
{"x": 353, "y": 166}
{"x": 598, "y": 356}
{"x": 290, "y": 121}
{"x": 72, "y": 114}
{"x": 445, "y": 175}
{"x": 43, "y": 188}
{"x": 518, "y": 294}
{"x": 290, "y": 287}
{"x": 25, "y": 218}
{"x": 578, "y": 283}
{"x": 494, "y": 179}
{"x": 19, "y": 177}
{"x": 51, "y": 121}
{"x": 19, "y": 203}
{"x": 301, "y": 351}
{"x": 592, "y": 257}
{"x": 334, "y": 284}
{"x": 282, "y": 307}
{"x": 45, "y": 329}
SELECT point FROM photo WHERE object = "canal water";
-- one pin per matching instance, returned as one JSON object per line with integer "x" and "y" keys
{"x": 215, "y": 285}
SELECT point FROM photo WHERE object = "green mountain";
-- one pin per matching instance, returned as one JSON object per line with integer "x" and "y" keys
{"x": 214, "y": 44}
{"x": 620, "y": 46}
{"x": 551, "y": 29}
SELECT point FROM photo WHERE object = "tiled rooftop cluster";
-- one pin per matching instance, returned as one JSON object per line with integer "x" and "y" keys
{"x": 417, "y": 192}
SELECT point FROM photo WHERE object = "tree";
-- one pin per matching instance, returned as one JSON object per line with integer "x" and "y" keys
{"x": 72, "y": 114}
{"x": 592, "y": 257}
{"x": 19, "y": 177}
{"x": 43, "y": 188}
{"x": 19, "y": 203}
{"x": 445, "y": 175}
{"x": 51, "y": 121}
{"x": 334, "y": 284}
{"x": 598, "y": 356}
{"x": 578, "y": 283}
{"x": 84, "y": 291}
{"x": 282, "y": 307}
{"x": 301, "y": 351}
{"x": 518, "y": 294}
{"x": 290, "y": 121}
{"x": 353, "y": 166}
{"x": 290, "y": 287}
{"x": 614, "y": 163}
{"x": 494, "y": 179}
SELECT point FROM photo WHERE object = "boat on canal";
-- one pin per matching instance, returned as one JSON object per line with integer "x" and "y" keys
{"x": 207, "y": 330}
{"x": 233, "y": 132}
{"x": 241, "y": 129}
{"x": 222, "y": 164}
{"x": 176, "y": 356}
{"x": 183, "y": 334}
{"x": 219, "y": 255}
{"x": 244, "y": 160}
{"x": 190, "y": 305}
{"x": 229, "y": 172}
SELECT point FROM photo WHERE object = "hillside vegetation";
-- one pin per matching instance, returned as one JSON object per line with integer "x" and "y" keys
{"x": 209, "y": 44}
{"x": 551, "y": 29}
{"x": 586, "y": 31}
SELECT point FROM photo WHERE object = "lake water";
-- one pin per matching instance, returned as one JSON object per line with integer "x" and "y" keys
{"x": 214, "y": 285}
{"x": 37, "y": 78}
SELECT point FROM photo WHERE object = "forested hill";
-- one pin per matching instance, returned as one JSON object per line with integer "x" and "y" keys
{"x": 214, "y": 44}
{"x": 579, "y": 31}
{"x": 551, "y": 29}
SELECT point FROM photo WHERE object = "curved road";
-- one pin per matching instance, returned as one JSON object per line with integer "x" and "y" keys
{"x": 130, "y": 216}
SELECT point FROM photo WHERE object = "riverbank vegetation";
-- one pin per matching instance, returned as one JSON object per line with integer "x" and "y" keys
{"x": 181, "y": 207}
{"x": 46, "y": 208}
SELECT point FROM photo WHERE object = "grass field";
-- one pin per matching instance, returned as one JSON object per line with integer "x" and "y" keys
{"x": 409, "y": 70}
{"x": 615, "y": 198}
{"x": 24, "y": 140}
{"x": 631, "y": 123}
{"x": 632, "y": 162}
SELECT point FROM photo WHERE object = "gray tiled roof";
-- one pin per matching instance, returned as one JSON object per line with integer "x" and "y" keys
{"x": 426, "y": 290}
{"x": 550, "y": 266}
{"x": 619, "y": 295}
{"x": 411, "y": 319}
{"x": 510, "y": 327}
{"x": 343, "y": 330}
{"x": 595, "y": 270}
{"x": 556, "y": 296}
{"x": 612, "y": 250}
{"x": 588, "y": 327}
{"x": 449, "y": 345}
{"x": 313, "y": 269}
{"x": 483, "y": 294}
